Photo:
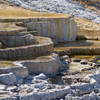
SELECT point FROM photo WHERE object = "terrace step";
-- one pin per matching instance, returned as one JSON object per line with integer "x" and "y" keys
{"x": 13, "y": 36}
{"x": 49, "y": 64}
{"x": 82, "y": 47}
{"x": 44, "y": 46}
{"x": 10, "y": 29}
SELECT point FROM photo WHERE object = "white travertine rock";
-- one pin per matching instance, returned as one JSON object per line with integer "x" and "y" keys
{"x": 41, "y": 76}
{"x": 65, "y": 57}
{"x": 44, "y": 64}
{"x": 18, "y": 70}
{"x": 2, "y": 86}
{"x": 17, "y": 40}
{"x": 50, "y": 95}
{"x": 8, "y": 79}
{"x": 58, "y": 29}
{"x": 44, "y": 46}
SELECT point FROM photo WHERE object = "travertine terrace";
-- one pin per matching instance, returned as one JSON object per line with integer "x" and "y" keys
{"x": 29, "y": 67}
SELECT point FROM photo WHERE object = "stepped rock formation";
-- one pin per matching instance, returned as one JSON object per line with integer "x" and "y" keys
{"x": 27, "y": 45}
{"x": 58, "y": 29}
{"x": 34, "y": 55}
{"x": 39, "y": 73}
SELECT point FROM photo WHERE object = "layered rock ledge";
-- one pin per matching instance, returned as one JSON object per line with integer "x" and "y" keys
{"x": 59, "y": 29}
{"x": 44, "y": 46}
{"x": 49, "y": 65}
{"x": 13, "y": 36}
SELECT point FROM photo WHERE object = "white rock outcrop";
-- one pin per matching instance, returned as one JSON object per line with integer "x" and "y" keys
{"x": 8, "y": 79}
{"x": 19, "y": 71}
{"x": 58, "y": 29}
{"x": 44, "y": 64}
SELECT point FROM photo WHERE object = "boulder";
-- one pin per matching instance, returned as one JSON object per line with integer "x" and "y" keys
{"x": 76, "y": 60}
{"x": 18, "y": 70}
{"x": 45, "y": 64}
{"x": 65, "y": 57}
{"x": 8, "y": 79}
{"x": 84, "y": 62}
{"x": 41, "y": 76}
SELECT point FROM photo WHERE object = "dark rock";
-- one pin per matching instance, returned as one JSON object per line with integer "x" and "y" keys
{"x": 96, "y": 90}
{"x": 97, "y": 65}
{"x": 19, "y": 80}
{"x": 84, "y": 62}
{"x": 90, "y": 63}
{"x": 76, "y": 60}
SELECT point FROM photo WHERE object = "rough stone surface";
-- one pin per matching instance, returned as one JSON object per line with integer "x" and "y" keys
{"x": 44, "y": 46}
{"x": 8, "y": 79}
{"x": 41, "y": 76}
{"x": 58, "y": 29}
{"x": 84, "y": 62}
{"x": 65, "y": 57}
{"x": 14, "y": 40}
{"x": 44, "y": 64}
{"x": 19, "y": 71}
{"x": 40, "y": 89}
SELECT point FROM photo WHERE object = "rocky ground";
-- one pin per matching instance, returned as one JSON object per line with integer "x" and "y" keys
{"x": 95, "y": 3}
{"x": 78, "y": 79}
{"x": 60, "y": 6}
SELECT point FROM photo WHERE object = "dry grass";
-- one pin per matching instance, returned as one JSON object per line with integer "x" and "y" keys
{"x": 16, "y": 12}
{"x": 87, "y": 27}
{"x": 87, "y": 57}
{"x": 8, "y": 27}
{"x": 77, "y": 44}
{"x": 6, "y": 63}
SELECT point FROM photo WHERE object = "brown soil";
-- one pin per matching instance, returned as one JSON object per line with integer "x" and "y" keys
{"x": 87, "y": 28}
{"x": 6, "y": 63}
{"x": 87, "y": 57}
{"x": 17, "y": 12}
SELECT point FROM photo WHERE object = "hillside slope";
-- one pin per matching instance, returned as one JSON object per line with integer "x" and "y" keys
{"x": 59, "y": 6}
{"x": 95, "y": 3}
{"x": 85, "y": 27}
{"x": 7, "y": 11}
